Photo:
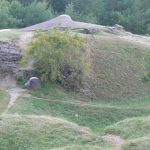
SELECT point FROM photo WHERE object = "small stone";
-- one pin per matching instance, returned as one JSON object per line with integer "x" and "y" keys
{"x": 33, "y": 84}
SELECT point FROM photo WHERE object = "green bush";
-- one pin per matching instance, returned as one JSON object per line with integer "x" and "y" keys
{"x": 58, "y": 56}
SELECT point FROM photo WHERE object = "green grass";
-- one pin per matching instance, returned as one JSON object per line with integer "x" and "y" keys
{"x": 4, "y": 100}
{"x": 138, "y": 144}
{"x": 45, "y": 133}
{"x": 131, "y": 128}
{"x": 56, "y": 92}
{"x": 10, "y": 35}
{"x": 139, "y": 102}
{"x": 116, "y": 70}
{"x": 96, "y": 115}
{"x": 135, "y": 131}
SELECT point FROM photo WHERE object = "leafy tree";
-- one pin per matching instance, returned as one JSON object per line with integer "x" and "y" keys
{"x": 6, "y": 19}
{"x": 37, "y": 12}
{"x": 4, "y": 14}
{"x": 58, "y": 57}
{"x": 58, "y": 5}
{"x": 78, "y": 16}
{"x": 17, "y": 11}
{"x": 70, "y": 11}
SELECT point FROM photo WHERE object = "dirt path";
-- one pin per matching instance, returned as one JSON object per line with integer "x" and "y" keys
{"x": 25, "y": 38}
{"x": 115, "y": 140}
{"x": 14, "y": 94}
{"x": 79, "y": 103}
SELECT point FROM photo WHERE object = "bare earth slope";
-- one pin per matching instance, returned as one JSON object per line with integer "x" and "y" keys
{"x": 63, "y": 21}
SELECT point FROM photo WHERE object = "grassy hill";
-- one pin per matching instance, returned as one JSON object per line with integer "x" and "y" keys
{"x": 43, "y": 133}
{"x": 116, "y": 70}
{"x": 136, "y": 131}
{"x": 115, "y": 62}
{"x": 55, "y": 119}
{"x": 31, "y": 117}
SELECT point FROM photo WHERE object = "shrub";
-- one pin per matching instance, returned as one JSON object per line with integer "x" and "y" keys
{"x": 58, "y": 56}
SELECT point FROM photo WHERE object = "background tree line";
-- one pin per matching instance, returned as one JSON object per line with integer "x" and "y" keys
{"x": 134, "y": 15}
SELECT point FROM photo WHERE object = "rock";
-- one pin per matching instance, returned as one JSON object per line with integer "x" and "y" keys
{"x": 33, "y": 84}
{"x": 118, "y": 27}
{"x": 91, "y": 31}
{"x": 10, "y": 56}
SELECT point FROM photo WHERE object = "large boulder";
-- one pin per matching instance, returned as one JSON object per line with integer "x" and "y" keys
{"x": 33, "y": 84}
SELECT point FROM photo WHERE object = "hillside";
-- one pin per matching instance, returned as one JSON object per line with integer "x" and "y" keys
{"x": 113, "y": 103}
{"x": 116, "y": 65}
{"x": 41, "y": 133}
{"x": 114, "y": 57}
{"x": 135, "y": 131}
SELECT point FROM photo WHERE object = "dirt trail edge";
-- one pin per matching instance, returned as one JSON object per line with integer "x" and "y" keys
{"x": 115, "y": 140}
{"x": 14, "y": 94}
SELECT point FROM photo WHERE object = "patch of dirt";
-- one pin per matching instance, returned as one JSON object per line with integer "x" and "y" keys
{"x": 14, "y": 94}
{"x": 115, "y": 140}
{"x": 63, "y": 21}
{"x": 25, "y": 38}
{"x": 7, "y": 82}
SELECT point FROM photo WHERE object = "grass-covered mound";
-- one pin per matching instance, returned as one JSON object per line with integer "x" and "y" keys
{"x": 135, "y": 131}
{"x": 116, "y": 67}
{"x": 44, "y": 133}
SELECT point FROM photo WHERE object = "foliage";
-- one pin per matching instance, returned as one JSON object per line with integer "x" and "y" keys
{"x": 58, "y": 57}
{"x": 6, "y": 18}
{"x": 59, "y": 6}
{"x": 44, "y": 133}
{"x": 13, "y": 14}
{"x": 134, "y": 15}
{"x": 70, "y": 10}
{"x": 145, "y": 63}
{"x": 36, "y": 13}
